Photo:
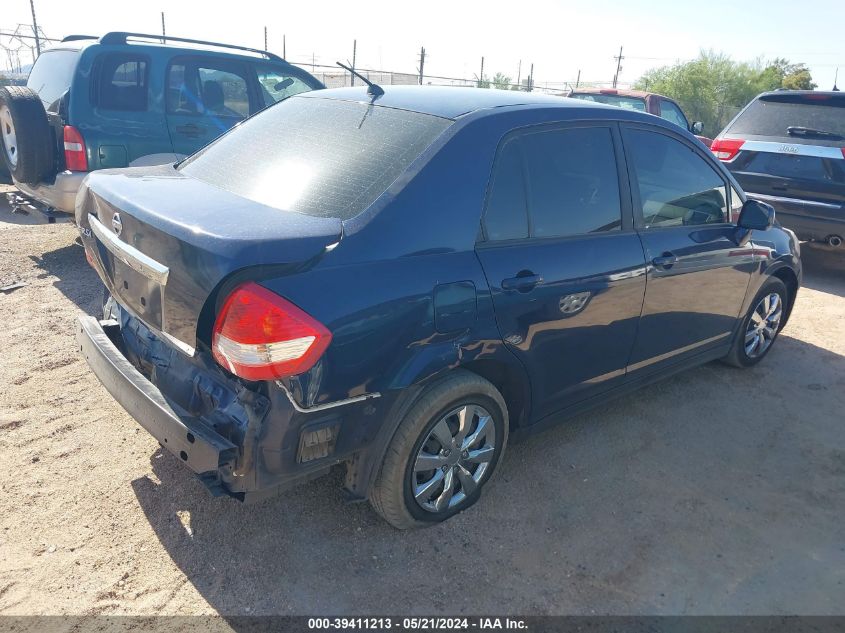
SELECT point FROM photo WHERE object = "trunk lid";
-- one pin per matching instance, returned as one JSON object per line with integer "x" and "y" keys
{"x": 162, "y": 242}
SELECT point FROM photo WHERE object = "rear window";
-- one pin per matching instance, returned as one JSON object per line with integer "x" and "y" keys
{"x": 771, "y": 115}
{"x": 628, "y": 103}
{"x": 319, "y": 157}
{"x": 52, "y": 76}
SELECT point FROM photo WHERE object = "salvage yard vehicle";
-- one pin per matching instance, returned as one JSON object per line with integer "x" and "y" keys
{"x": 128, "y": 99}
{"x": 412, "y": 277}
{"x": 658, "y": 105}
{"x": 787, "y": 148}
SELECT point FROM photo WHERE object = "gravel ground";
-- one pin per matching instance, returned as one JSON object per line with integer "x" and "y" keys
{"x": 717, "y": 491}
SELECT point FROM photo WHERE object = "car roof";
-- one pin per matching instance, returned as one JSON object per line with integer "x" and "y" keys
{"x": 450, "y": 102}
{"x": 612, "y": 91}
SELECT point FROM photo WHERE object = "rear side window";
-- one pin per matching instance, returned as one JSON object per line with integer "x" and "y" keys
{"x": 572, "y": 185}
{"x": 122, "y": 83}
{"x": 506, "y": 216}
{"x": 677, "y": 186}
{"x": 207, "y": 88}
{"x": 52, "y": 76}
{"x": 772, "y": 115}
{"x": 321, "y": 157}
{"x": 277, "y": 84}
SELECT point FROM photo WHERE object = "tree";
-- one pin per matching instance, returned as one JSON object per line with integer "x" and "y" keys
{"x": 713, "y": 88}
{"x": 501, "y": 81}
{"x": 482, "y": 82}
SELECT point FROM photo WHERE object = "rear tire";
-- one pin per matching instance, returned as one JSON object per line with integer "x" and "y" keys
{"x": 469, "y": 456}
{"x": 26, "y": 141}
{"x": 761, "y": 325}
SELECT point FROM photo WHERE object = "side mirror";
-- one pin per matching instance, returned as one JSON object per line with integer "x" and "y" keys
{"x": 756, "y": 215}
{"x": 697, "y": 127}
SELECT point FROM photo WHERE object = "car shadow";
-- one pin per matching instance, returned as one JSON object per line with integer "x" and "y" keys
{"x": 636, "y": 506}
{"x": 74, "y": 278}
{"x": 824, "y": 269}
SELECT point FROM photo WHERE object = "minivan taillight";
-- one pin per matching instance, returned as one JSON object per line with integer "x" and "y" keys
{"x": 258, "y": 335}
{"x": 726, "y": 148}
{"x": 75, "y": 156}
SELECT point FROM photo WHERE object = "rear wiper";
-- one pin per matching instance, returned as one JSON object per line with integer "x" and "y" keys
{"x": 795, "y": 130}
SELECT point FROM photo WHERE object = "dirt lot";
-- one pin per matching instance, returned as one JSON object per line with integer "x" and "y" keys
{"x": 719, "y": 491}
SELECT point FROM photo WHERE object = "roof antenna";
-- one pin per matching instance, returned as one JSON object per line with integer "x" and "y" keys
{"x": 374, "y": 90}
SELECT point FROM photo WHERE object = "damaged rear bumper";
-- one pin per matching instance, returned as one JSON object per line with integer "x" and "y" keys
{"x": 199, "y": 447}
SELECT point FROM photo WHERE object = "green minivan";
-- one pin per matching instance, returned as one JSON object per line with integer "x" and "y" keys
{"x": 127, "y": 99}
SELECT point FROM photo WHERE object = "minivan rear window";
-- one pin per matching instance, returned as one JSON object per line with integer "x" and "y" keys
{"x": 320, "y": 157}
{"x": 52, "y": 75}
{"x": 771, "y": 115}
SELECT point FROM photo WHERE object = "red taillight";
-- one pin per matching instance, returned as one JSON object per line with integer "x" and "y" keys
{"x": 260, "y": 336}
{"x": 726, "y": 148}
{"x": 75, "y": 156}
{"x": 843, "y": 152}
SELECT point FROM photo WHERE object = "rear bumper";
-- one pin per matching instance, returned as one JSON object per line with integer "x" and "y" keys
{"x": 808, "y": 219}
{"x": 202, "y": 450}
{"x": 59, "y": 196}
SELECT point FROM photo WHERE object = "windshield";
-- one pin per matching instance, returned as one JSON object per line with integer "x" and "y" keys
{"x": 773, "y": 115}
{"x": 629, "y": 103}
{"x": 321, "y": 157}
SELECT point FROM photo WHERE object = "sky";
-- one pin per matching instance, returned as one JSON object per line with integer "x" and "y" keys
{"x": 559, "y": 38}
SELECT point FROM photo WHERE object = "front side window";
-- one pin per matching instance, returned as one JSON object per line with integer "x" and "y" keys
{"x": 122, "y": 83}
{"x": 677, "y": 186}
{"x": 673, "y": 114}
{"x": 277, "y": 84}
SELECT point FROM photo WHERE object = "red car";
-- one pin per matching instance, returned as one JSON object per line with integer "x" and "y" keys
{"x": 655, "y": 104}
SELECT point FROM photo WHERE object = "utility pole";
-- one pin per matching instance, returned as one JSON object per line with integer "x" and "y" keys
{"x": 284, "y": 47}
{"x": 163, "y": 30}
{"x": 422, "y": 63}
{"x": 578, "y": 81}
{"x": 531, "y": 79}
{"x": 618, "y": 59}
{"x": 313, "y": 66}
{"x": 354, "y": 52}
{"x": 481, "y": 76}
{"x": 35, "y": 27}
{"x": 265, "y": 38}
{"x": 518, "y": 75}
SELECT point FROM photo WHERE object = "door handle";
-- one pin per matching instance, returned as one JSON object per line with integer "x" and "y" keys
{"x": 522, "y": 282}
{"x": 190, "y": 130}
{"x": 665, "y": 261}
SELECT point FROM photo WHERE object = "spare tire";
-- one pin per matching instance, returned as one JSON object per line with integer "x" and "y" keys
{"x": 25, "y": 136}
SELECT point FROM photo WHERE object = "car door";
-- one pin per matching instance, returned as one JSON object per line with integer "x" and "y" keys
{"x": 697, "y": 273}
{"x": 205, "y": 98}
{"x": 565, "y": 268}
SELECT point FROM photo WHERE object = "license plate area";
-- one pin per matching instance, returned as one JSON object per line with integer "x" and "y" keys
{"x": 141, "y": 295}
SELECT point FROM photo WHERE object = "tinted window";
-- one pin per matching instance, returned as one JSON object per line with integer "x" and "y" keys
{"x": 52, "y": 76}
{"x": 122, "y": 83}
{"x": 320, "y": 157}
{"x": 572, "y": 182}
{"x": 671, "y": 112}
{"x": 773, "y": 114}
{"x": 629, "y": 103}
{"x": 277, "y": 84}
{"x": 506, "y": 217}
{"x": 677, "y": 186}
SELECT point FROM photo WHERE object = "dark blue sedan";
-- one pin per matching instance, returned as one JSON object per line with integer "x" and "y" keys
{"x": 399, "y": 283}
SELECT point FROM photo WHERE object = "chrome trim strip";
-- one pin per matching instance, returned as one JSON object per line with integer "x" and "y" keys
{"x": 795, "y": 149}
{"x": 128, "y": 254}
{"x": 810, "y": 203}
{"x": 327, "y": 405}
{"x": 675, "y": 352}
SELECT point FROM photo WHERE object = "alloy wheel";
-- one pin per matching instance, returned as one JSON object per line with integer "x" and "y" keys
{"x": 763, "y": 325}
{"x": 10, "y": 139}
{"x": 453, "y": 459}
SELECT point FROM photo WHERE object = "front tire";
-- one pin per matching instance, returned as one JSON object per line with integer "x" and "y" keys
{"x": 443, "y": 452}
{"x": 761, "y": 325}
